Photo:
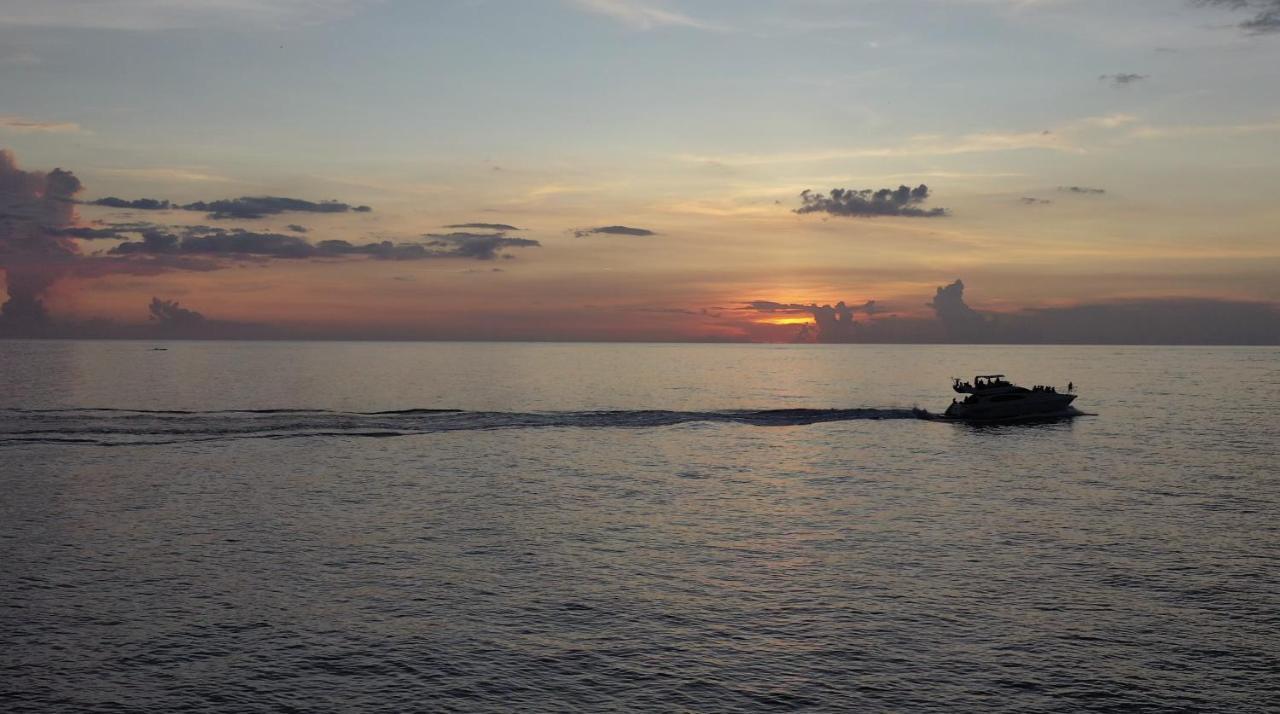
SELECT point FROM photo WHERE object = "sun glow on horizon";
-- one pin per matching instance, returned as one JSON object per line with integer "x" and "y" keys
{"x": 786, "y": 321}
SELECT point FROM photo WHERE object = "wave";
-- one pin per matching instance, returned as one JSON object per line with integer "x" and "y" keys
{"x": 141, "y": 427}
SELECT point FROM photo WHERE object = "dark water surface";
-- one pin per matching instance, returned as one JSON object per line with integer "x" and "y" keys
{"x": 436, "y": 527}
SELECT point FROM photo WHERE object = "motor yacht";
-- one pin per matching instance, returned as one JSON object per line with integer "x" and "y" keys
{"x": 991, "y": 397}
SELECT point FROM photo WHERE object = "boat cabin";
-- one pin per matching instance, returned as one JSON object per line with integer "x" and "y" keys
{"x": 981, "y": 382}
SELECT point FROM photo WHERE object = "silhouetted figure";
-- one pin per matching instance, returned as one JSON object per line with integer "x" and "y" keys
{"x": 1071, "y": 386}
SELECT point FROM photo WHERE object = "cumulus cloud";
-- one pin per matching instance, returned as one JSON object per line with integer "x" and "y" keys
{"x": 1265, "y": 13}
{"x": 961, "y": 322}
{"x": 172, "y": 316}
{"x": 832, "y": 324}
{"x": 902, "y": 201}
{"x": 35, "y": 207}
{"x": 613, "y": 231}
{"x": 1122, "y": 79}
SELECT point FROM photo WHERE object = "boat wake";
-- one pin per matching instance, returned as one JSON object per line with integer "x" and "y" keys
{"x": 125, "y": 427}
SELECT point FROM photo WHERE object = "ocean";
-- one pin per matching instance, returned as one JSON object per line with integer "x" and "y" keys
{"x": 392, "y": 527}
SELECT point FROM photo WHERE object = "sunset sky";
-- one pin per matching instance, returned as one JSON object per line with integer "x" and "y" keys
{"x": 636, "y": 169}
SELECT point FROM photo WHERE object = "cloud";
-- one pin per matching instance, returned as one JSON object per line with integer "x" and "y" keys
{"x": 203, "y": 240}
{"x": 35, "y": 206}
{"x": 1189, "y": 130}
{"x": 23, "y": 125}
{"x": 91, "y": 233}
{"x": 903, "y": 201}
{"x": 296, "y": 228}
{"x": 1122, "y": 79}
{"x": 961, "y": 322}
{"x": 40, "y": 234}
{"x": 642, "y": 15}
{"x": 771, "y": 306}
{"x": 244, "y": 208}
{"x": 172, "y": 316}
{"x": 1266, "y": 14}
{"x": 1145, "y": 321}
{"x": 142, "y": 204}
{"x": 167, "y": 174}
{"x": 263, "y": 206}
{"x": 1110, "y": 121}
{"x": 613, "y": 231}
{"x": 238, "y": 242}
{"x": 1142, "y": 321}
{"x": 1033, "y": 201}
{"x": 1148, "y": 322}
{"x": 1082, "y": 190}
{"x": 477, "y": 246}
{"x": 832, "y": 324}
{"x": 924, "y": 145}
{"x": 484, "y": 226}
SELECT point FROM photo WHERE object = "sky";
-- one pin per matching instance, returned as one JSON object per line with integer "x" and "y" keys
{"x": 642, "y": 170}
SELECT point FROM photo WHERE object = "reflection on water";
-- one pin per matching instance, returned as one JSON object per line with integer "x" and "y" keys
{"x": 1118, "y": 561}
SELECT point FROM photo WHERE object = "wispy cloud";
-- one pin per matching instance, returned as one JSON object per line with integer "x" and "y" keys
{"x": 643, "y": 15}
{"x": 174, "y": 14}
{"x": 12, "y": 122}
{"x": 1178, "y": 131}
{"x": 1111, "y": 121}
{"x": 193, "y": 174}
{"x": 924, "y": 145}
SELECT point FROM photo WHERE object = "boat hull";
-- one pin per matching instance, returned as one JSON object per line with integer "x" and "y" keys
{"x": 1031, "y": 405}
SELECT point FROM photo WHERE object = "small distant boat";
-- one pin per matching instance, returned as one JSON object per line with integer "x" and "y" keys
{"x": 991, "y": 397}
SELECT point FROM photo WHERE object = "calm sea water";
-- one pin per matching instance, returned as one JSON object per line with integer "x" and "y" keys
{"x": 298, "y": 527}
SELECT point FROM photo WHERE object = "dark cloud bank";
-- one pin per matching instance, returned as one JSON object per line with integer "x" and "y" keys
{"x": 1154, "y": 321}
